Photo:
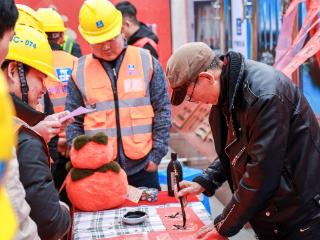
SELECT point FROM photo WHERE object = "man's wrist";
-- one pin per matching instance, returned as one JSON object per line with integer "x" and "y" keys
{"x": 209, "y": 189}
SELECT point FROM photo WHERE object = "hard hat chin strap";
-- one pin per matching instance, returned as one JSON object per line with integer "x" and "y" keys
{"x": 23, "y": 82}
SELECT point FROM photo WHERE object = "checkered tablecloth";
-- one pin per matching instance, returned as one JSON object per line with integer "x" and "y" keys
{"x": 105, "y": 224}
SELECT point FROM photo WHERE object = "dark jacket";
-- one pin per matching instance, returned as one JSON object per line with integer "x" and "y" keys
{"x": 145, "y": 32}
{"x": 52, "y": 219}
{"x": 268, "y": 142}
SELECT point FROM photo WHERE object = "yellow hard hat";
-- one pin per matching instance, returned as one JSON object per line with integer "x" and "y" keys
{"x": 99, "y": 21}
{"x": 27, "y": 16}
{"x": 7, "y": 136}
{"x": 51, "y": 20}
{"x": 31, "y": 47}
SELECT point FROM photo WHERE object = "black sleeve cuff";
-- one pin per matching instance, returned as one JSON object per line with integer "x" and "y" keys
{"x": 207, "y": 185}
{"x": 223, "y": 231}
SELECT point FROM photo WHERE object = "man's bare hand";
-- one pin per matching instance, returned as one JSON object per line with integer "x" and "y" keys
{"x": 47, "y": 129}
{"x": 209, "y": 232}
{"x": 51, "y": 126}
{"x": 62, "y": 145}
{"x": 151, "y": 167}
{"x": 58, "y": 116}
{"x": 187, "y": 188}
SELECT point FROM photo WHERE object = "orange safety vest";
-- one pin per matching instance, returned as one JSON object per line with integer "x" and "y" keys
{"x": 135, "y": 109}
{"x": 63, "y": 64}
{"x": 143, "y": 41}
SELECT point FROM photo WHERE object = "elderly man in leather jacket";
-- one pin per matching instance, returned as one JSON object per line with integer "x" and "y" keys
{"x": 267, "y": 139}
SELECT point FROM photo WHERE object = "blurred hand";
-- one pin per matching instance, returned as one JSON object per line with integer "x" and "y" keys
{"x": 62, "y": 145}
{"x": 151, "y": 167}
{"x": 48, "y": 129}
{"x": 58, "y": 116}
{"x": 187, "y": 188}
{"x": 209, "y": 232}
{"x": 51, "y": 126}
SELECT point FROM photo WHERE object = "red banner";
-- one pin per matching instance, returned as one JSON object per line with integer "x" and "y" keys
{"x": 310, "y": 4}
{"x": 285, "y": 36}
{"x": 284, "y": 58}
{"x": 289, "y": 60}
{"x": 311, "y": 48}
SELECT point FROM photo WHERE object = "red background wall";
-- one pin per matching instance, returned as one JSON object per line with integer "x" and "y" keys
{"x": 149, "y": 11}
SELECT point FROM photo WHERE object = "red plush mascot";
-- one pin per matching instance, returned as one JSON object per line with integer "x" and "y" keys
{"x": 95, "y": 182}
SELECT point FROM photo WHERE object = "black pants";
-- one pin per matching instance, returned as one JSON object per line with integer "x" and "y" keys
{"x": 145, "y": 179}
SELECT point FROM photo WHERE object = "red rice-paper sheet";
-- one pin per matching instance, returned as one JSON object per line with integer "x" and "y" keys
{"x": 171, "y": 233}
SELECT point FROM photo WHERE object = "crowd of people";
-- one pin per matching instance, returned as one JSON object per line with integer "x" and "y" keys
{"x": 44, "y": 85}
{"x": 265, "y": 133}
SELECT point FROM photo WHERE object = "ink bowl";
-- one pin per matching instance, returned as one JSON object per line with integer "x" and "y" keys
{"x": 134, "y": 217}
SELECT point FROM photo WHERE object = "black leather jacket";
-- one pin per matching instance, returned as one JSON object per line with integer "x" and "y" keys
{"x": 269, "y": 152}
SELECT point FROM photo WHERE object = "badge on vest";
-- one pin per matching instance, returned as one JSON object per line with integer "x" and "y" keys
{"x": 133, "y": 85}
{"x": 131, "y": 69}
{"x": 64, "y": 74}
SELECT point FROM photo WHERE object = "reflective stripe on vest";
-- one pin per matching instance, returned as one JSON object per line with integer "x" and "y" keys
{"x": 63, "y": 64}
{"x": 135, "y": 109}
{"x": 68, "y": 44}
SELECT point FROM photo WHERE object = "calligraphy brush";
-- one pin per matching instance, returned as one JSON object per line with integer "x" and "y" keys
{"x": 180, "y": 198}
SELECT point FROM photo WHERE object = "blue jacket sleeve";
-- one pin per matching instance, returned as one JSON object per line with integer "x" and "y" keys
{"x": 73, "y": 101}
{"x": 162, "y": 113}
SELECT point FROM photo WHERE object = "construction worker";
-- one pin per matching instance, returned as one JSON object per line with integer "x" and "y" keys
{"x": 127, "y": 87}
{"x": 44, "y": 121}
{"x": 8, "y": 219}
{"x": 28, "y": 63}
{"x": 27, "y": 229}
{"x": 29, "y": 16}
{"x": 137, "y": 33}
{"x": 52, "y": 24}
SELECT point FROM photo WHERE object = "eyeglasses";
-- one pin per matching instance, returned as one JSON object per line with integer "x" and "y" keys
{"x": 189, "y": 97}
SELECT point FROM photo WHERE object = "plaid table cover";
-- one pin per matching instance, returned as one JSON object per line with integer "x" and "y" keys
{"x": 106, "y": 224}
